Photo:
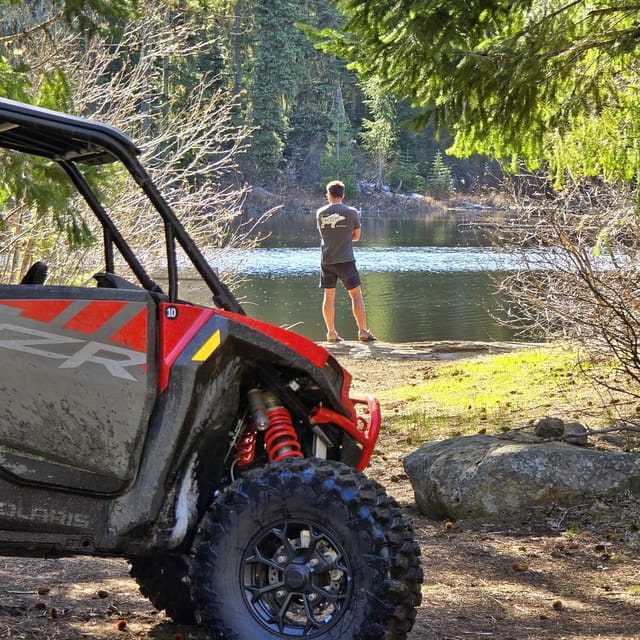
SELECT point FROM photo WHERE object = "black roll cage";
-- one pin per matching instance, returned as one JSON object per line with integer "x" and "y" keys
{"x": 70, "y": 141}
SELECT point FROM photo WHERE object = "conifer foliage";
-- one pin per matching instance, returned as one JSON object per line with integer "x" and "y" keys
{"x": 553, "y": 82}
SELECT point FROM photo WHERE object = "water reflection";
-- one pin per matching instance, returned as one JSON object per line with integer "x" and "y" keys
{"x": 437, "y": 230}
{"x": 401, "y": 306}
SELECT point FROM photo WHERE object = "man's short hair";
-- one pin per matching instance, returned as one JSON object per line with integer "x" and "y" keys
{"x": 336, "y": 189}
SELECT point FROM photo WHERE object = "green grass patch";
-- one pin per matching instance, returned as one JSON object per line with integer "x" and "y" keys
{"x": 497, "y": 393}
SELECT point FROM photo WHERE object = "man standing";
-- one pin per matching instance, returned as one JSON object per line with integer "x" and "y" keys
{"x": 339, "y": 226}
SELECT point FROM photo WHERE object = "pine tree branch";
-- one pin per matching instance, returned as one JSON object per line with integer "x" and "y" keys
{"x": 42, "y": 26}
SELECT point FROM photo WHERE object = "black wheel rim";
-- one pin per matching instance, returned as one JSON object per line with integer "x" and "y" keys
{"x": 297, "y": 579}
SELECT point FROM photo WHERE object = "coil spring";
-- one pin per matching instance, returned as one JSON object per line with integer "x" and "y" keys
{"x": 281, "y": 439}
{"x": 246, "y": 447}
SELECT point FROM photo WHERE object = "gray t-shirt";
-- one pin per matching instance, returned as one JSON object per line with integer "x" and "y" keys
{"x": 336, "y": 223}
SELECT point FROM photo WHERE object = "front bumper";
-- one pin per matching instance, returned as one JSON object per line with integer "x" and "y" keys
{"x": 364, "y": 429}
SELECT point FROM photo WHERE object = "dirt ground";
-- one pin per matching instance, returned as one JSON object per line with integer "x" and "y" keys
{"x": 559, "y": 574}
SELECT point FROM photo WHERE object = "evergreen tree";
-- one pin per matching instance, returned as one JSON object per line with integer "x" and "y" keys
{"x": 552, "y": 81}
{"x": 404, "y": 175}
{"x": 317, "y": 77}
{"x": 288, "y": 84}
{"x": 260, "y": 52}
{"x": 337, "y": 161}
{"x": 439, "y": 184}
{"x": 379, "y": 135}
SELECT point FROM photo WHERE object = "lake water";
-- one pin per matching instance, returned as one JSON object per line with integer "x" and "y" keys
{"x": 426, "y": 279}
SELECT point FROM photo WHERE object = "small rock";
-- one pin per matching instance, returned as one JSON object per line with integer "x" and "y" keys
{"x": 576, "y": 433}
{"x": 549, "y": 427}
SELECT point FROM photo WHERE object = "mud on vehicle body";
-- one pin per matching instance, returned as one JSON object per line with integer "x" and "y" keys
{"x": 221, "y": 455}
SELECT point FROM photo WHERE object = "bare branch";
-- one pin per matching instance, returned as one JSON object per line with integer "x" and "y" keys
{"x": 189, "y": 144}
{"x": 31, "y": 31}
{"x": 579, "y": 254}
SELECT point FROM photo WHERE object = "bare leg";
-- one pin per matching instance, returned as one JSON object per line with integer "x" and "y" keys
{"x": 357, "y": 307}
{"x": 328, "y": 309}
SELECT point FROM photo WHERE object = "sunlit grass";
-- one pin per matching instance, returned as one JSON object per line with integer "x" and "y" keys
{"x": 498, "y": 393}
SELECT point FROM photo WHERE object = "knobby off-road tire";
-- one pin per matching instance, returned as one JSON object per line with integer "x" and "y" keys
{"x": 165, "y": 581}
{"x": 306, "y": 549}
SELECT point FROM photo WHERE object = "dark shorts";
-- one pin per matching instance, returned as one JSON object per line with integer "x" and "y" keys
{"x": 345, "y": 271}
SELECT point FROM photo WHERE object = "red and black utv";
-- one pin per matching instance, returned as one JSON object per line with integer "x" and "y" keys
{"x": 220, "y": 455}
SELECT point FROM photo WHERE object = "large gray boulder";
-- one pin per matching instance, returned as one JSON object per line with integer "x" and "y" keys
{"x": 502, "y": 477}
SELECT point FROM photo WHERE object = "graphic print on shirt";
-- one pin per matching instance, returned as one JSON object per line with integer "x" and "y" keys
{"x": 331, "y": 221}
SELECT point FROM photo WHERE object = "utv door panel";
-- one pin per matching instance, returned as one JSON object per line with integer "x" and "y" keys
{"x": 79, "y": 379}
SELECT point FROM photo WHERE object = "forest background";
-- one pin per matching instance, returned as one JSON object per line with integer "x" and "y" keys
{"x": 307, "y": 116}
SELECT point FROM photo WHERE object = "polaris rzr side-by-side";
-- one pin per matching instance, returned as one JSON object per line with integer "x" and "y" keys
{"x": 222, "y": 456}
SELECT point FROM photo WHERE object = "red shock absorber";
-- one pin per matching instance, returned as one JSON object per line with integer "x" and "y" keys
{"x": 280, "y": 439}
{"x": 259, "y": 421}
{"x": 246, "y": 446}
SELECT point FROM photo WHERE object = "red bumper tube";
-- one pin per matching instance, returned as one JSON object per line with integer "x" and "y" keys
{"x": 362, "y": 431}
